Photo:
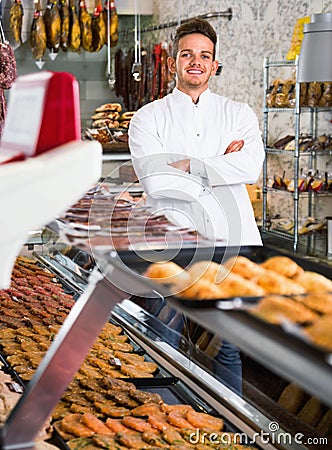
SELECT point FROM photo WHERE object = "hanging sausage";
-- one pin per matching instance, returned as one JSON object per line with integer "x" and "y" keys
{"x": 38, "y": 33}
{"x": 65, "y": 22}
{"x": 98, "y": 27}
{"x": 86, "y": 27}
{"x": 52, "y": 22}
{"x": 7, "y": 74}
{"x": 74, "y": 28}
{"x": 16, "y": 20}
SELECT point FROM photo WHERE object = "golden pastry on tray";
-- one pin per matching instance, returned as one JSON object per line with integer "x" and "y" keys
{"x": 283, "y": 265}
{"x": 320, "y": 332}
{"x": 314, "y": 282}
{"x": 209, "y": 270}
{"x": 243, "y": 266}
{"x": 276, "y": 283}
{"x": 275, "y": 308}
{"x": 201, "y": 289}
{"x": 235, "y": 285}
{"x": 167, "y": 272}
{"x": 321, "y": 303}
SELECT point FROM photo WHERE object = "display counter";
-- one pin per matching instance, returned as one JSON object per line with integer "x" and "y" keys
{"x": 108, "y": 282}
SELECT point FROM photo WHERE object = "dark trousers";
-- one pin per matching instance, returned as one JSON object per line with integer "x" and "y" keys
{"x": 228, "y": 367}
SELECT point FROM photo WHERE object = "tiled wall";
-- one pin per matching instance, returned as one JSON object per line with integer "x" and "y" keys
{"x": 258, "y": 28}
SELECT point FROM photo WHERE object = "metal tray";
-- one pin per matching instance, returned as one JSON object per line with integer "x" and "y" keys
{"x": 130, "y": 265}
{"x": 140, "y": 260}
{"x": 173, "y": 391}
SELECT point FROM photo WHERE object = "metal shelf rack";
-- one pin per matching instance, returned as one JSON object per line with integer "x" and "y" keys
{"x": 297, "y": 111}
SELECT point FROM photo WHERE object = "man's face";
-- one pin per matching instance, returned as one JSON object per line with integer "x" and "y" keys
{"x": 194, "y": 62}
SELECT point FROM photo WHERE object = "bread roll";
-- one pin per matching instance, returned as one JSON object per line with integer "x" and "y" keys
{"x": 312, "y": 412}
{"x": 283, "y": 265}
{"x": 292, "y": 398}
{"x": 325, "y": 424}
{"x": 276, "y": 283}
{"x": 125, "y": 124}
{"x": 127, "y": 115}
{"x": 113, "y": 115}
{"x": 314, "y": 282}
{"x": 274, "y": 308}
{"x": 243, "y": 266}
{"x": 109, "y": 107}
{"x": 166, "y": 272}
{"x": 105, "y": 123}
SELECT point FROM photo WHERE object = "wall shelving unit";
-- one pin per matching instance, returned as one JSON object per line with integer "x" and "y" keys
{"x": 312, "y": 156}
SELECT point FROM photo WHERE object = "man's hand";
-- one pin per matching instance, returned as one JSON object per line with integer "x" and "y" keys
{"x": 183, "y": 164}
{"x": 234, "y": 146}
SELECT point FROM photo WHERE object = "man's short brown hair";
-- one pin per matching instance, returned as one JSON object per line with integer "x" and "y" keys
{"x": 192, "y": 26}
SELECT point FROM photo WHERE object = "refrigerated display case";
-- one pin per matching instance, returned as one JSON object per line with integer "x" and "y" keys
{"x": 182, "y": 337}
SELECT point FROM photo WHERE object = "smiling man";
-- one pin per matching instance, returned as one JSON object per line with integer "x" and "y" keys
{"x": 195, "y": 150}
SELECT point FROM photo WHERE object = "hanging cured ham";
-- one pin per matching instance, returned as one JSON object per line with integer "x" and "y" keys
{"x": 98, "y": 27}
{"x": 74, "y": 28}
{"x": 52, "y": 22}
{"x": 16, "y": 20}
{"x": 38, "y": 33}
{"x": 86, "y": 27}
{"x": 112, "y": 21}
{"x": 65, "y": 22}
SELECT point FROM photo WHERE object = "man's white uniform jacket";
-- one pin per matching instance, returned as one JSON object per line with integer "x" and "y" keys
{"x": 212, "y": 197}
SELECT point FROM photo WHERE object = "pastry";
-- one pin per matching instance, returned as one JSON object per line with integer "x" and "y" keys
{"x": 209, "y": 270}
{"x": 284, "y": 265}
{"x": 166, "y": 272}
{"x": 314, "y": 282}
{"x": 275, "y": 308}
{"x": 320, "y": 332}
{"x": 322, "y": 303}
{"x": 202, "y": 289}
{"x": 276, "y": 283}
{"x": 243, "y": 266}
{"x": 235, "y": 285}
